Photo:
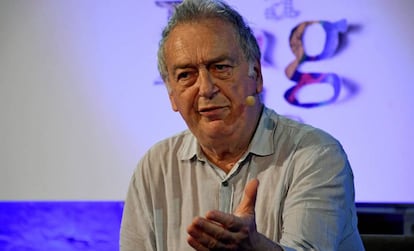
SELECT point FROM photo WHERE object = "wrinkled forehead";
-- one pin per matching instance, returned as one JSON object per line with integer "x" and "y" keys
{"x": 212, "y": 25}
{"x": 205, "y": 38}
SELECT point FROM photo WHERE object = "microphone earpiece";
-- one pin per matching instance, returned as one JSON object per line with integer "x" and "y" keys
{"x": 250, "y": 100}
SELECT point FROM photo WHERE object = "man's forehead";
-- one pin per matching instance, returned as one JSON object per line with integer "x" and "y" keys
{"x": 213, "y": 25}
{"x": 188, "y": 45}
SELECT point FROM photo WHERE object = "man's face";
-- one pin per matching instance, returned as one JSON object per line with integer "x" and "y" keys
{"x": 209, "y": 80}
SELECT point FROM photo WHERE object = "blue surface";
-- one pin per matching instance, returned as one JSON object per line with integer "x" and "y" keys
{"x": 94, "y": 225}
{"x": 60, "y": 225}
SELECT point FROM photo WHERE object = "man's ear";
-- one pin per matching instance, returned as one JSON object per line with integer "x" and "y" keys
{"x": 258, "y": 76}
{"x": 172, "y": 101}
{"x": 170, "y": 95}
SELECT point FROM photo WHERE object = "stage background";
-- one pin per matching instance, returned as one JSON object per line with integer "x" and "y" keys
{"x": 81, "y": 100}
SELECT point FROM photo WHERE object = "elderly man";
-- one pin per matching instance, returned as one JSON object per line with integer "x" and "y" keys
{"x": 241, "y": 177}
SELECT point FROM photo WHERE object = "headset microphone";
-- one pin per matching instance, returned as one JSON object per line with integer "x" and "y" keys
{"x": 250, "y": 100}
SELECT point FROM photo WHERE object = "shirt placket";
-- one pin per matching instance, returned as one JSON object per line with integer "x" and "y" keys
{"x": 226, "y": 196}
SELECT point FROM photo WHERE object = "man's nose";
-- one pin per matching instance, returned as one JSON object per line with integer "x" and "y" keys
{"x": 207, "y": 85}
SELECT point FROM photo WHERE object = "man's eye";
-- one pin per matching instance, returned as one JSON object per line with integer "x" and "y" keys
{"x": 183, "y": 75}
{"x": 186, "y": 78}
{"x": 222, "y": 71}
{"x": 221, "y": 67}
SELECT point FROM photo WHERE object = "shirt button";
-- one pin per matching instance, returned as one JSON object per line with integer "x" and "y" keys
{"x": 225, "y": 183}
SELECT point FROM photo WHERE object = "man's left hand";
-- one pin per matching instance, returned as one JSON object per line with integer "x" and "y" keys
{"x": 223, "y": 231}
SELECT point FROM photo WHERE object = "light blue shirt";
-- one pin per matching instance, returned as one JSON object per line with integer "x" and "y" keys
{"x": 305, "y": 199}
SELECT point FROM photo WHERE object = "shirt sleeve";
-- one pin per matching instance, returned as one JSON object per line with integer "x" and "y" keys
{"x": 137, "y": 229}
{"x": 319, "y": 206}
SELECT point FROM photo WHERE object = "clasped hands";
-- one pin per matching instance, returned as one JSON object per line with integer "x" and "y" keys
{"x": 223, "y": 231}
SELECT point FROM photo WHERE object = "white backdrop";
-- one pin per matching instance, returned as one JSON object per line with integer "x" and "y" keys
{"x": 80, "y": 103}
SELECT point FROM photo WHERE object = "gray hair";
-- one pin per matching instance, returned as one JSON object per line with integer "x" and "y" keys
{"x": 193, "y": 10}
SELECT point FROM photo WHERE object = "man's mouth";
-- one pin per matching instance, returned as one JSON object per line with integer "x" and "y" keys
{"x": 209, "y": 109}
{"x": 212, "y": 112}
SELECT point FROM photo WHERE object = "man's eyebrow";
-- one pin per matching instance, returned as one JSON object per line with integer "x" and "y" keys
{"x": 206, "y": 62}
{"x": 221, "y": 58}
{"x": 181, "y": 66}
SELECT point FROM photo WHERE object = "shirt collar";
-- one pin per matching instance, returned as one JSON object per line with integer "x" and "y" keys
{"x": 262, "y": 143}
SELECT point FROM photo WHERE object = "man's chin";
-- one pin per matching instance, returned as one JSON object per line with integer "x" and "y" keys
{"x": 215, "y": 129}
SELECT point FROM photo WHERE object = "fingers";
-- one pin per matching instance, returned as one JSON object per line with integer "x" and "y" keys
{"x": 247, "y": 205}
{"x": 203, "y": 227}
{"x": 207, "y": 244}
{"x": 223, "y": 231}
{"x": 228, "y": 221}
{"x": 205, "y": 234}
